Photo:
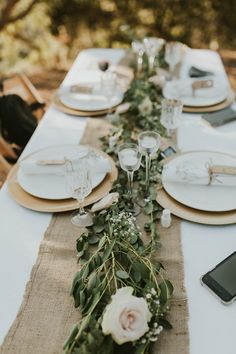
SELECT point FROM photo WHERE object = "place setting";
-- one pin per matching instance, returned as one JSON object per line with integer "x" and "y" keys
{"x": 40, "y": 180}
{"x": 98, "y": 92}
{"x": 197, "y": 186}
{"x": 200, "y": 89}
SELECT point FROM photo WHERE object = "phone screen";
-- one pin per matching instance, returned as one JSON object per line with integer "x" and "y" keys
{"x": 168, "y": 152}
{"x": 222, "y": 279}
{"x": 225, "y": 274}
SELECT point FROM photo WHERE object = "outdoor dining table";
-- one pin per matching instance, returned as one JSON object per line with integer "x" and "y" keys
{"x": 211, "y": 324}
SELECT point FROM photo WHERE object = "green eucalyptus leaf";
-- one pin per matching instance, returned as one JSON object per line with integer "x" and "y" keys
{"x": 93, "y": 239}
{"x": 137, "y": 277}
{"x": 122, "y": 274}
{"x": 165, "y": 324}
{"x": 102, "y": 242}
{"x": 92, "y": 282}
{"x": 82, "y": 298}
{"x": 133, "y": 239}
{"x": 71, "y": 336}
{"x": 80, "y": 245}
{"x": 166, "y": 291}
{"x": 142, "y": 269}
{"x": 80, "y": 254}
{"x": 148, "y": 209}
{"x": 85, "y": 272}
{"x": 108, "y": 250}
{"x": 99, "y": 228}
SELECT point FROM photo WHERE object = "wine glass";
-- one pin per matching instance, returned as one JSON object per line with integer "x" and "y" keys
{"x": 139, "y": 49}
{"x": 109, "y": 87}
{"x": 152, "y": 47}
{"x": 149, "y": 143}
{"x": 173, "y": 54}
{"x": 171, "y": 113}
{"x": 130, "y": 159}
{"x": 79, "y": 186}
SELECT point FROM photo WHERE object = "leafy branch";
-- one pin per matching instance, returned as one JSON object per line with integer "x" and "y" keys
{"x": 112, "y": 253}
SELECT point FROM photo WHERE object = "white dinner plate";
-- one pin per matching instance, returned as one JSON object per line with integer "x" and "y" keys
{"x": 207, "y": 198}
{"x": 95, "y": 101}
{"x": 182, "y": 90}
{"x": 50, "y": 186}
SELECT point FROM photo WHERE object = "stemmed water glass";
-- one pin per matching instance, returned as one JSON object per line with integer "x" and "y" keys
{"x": 152, "y": 48}
{"x": 171, "y": 113}
{"x": 139, "y": 49}
{"x": 173, "y": 53}
{"x": 149, "y": 143}
{"x": 109, "y": 87}
{"x": 79, "y": 186}
{"x": 130, "y": 159}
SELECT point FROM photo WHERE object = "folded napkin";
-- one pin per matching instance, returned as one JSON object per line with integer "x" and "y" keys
{"x": 196, "y": 72}
{"x": 96, "y": 164}
{"x": 221, "y": 117}
{"x": 197, "y": 173}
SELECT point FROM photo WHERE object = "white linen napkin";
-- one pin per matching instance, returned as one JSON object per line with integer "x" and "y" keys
{"x": 96, "y": 164}
{"x": 190, "y": 172}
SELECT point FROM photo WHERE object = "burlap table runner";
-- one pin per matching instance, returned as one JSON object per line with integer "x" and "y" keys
{"x": 47, "y": 314}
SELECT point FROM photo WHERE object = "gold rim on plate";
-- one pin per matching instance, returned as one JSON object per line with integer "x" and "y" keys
{"x": 217, "y": 107}
{"x": 191, "y": 214}
{"x": 194, "y": 215}
{"x": 54, "y": 206}
{"x": 59, "y": 105}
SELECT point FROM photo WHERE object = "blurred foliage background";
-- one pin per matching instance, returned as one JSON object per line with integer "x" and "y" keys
{"x": 49, "y": 33}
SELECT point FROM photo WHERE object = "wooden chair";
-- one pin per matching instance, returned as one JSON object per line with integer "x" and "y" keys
{"x": 4, "y": 169}
{"x": 20, "y": 85}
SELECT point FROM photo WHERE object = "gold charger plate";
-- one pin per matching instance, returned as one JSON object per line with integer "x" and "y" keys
{"x": 75, "y": 112}
{"x": 217, "y": 107}
{"x": 194, "y": 215}
{"x": 54, "y": 206}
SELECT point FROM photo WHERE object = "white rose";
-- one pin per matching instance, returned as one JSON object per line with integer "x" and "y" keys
{"x": 126, "y": 317}
{"x": 145, "y": 107}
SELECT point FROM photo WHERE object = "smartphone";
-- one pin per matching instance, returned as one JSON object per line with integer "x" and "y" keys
{"x": 168, "y": 152}
{"x": 221, "y": 280}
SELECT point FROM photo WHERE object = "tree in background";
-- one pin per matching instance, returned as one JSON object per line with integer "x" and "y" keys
{"x": 9, "y": 14}
{"x": 26, "y": 41}
{"x": 48, "y": 32}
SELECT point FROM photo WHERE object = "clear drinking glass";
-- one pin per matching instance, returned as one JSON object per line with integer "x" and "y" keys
{"x": 152, "y": 48}
{"x": 139, "y": 49}
{"x": 149, "y": 143}
{"x": 109, "y": 87}
{"x": 173, "y": 54}
{"x": 79, "y": 186}
{"x": 171, "y": 113}
{"x": 130, "y": 159}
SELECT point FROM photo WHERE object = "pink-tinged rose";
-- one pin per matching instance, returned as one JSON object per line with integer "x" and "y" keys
{"x": 126, "y": 317}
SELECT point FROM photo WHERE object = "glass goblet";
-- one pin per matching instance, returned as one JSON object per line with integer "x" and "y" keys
{"x": 79, "y": 186}
{"x": 171, "y": 113}
{"x": 130, "y": 159}
{"x": 109, "y": 87}
{"x": 152, "y": 48}
{"x": 139, "y": 49}
{"x": 173, "y": 54}
{"x": 149, "y": 143}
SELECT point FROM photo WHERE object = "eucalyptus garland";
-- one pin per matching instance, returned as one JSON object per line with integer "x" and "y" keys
{"x": 112, "y": 255}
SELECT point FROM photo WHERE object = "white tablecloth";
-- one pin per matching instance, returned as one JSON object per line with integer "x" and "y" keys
{"x": 211, "y": 325}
